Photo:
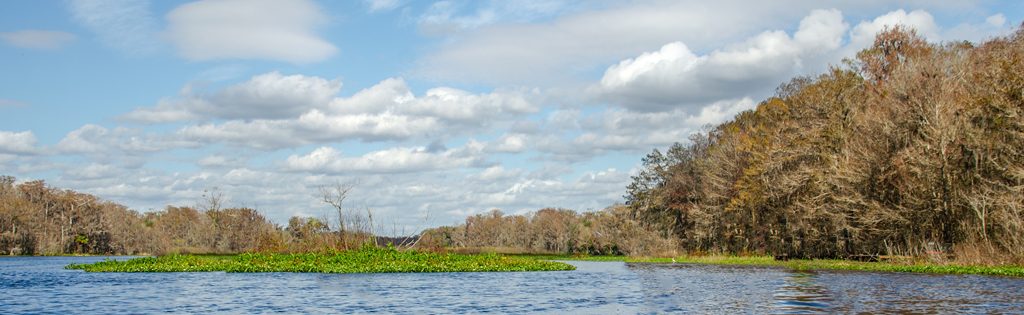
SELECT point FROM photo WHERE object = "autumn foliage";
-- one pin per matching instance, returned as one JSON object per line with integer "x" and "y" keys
{"x": 911, "y": 148}
{"x": 36, "y": 219}
{"x": 611, "y": 231}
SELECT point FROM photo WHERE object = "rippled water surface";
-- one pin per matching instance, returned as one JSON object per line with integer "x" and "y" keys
{"x": 41, "y": 285}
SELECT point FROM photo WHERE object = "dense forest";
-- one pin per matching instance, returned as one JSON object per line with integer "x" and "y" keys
{"x": 911, "y": 148}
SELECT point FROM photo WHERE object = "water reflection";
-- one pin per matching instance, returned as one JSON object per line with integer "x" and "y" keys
{"x": 801, "y": 294}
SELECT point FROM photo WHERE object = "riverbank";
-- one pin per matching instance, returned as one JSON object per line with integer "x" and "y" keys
{"x": 365, "y": 260}
{"x": 805, "y": 264}
{"x": 832, "y": 264}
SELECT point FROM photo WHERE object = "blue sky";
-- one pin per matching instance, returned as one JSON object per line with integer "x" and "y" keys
{"x": 437, "y": 109}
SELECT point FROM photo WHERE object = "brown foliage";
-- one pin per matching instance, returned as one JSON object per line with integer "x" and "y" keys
{"x": 914, "y": 148}
{"x": 557, "y": 231}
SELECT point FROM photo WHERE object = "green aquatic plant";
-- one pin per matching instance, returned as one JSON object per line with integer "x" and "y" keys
{"x": 834, "y": 264}
{"x": 364, "y": 260}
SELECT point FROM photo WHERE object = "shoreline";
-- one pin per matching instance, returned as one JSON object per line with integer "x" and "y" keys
{"x": 808, "y": 264}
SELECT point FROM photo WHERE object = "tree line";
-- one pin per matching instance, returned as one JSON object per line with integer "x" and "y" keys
{"x": 36, "y": 219}
{"x": 911, "y": 148}
{"x": 611, "y": 231}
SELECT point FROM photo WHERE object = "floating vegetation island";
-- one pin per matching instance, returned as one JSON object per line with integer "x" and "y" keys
{"x": 364, "y": 260}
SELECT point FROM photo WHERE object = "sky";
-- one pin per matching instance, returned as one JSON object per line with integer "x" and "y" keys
{"x": 433, "y": 110}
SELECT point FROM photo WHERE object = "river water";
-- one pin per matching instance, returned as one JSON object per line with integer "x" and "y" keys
{"x": 41, "y": 285}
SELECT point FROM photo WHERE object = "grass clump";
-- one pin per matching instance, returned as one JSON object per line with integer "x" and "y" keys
{"x": 365, "y": 260}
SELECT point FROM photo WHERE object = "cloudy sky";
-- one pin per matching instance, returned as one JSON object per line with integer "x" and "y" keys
{"x": 436, "y": 109}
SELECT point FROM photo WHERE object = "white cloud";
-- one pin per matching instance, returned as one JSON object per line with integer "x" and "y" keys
{"x": 994, "y": 25}
{"x": 126, "y": 25}
{"x": 452, "y": 16}
{"x": 675, "y": 76}
{"x": 267, "y": 96}
{"x": 441, "y": 17}
{"x": 93, "y": 171}
{"x": 392, "y": 160}
{"x": 575, "y": 137}
{"x": 569, "y": 46}
{"x": 312, "y": 127}
{"x": 574, "y": 43}
{"x": 37, "y": 39}
{"x": 996, "y": 20}
{"x": 249, "y": 29}
{"x": 444, "y": 103}
{"x": 498, "y": 172}
{"x": 864, "y": 33}
{"x": 17, "y": 143}
{"x": 98, "y": 140}
{"x": 272, "y": 111}
{"x": 381, "y": 5}
{"x": 216, "y": 161}
{"x": 510, "y": 143}
{"x": 458, "y": 105}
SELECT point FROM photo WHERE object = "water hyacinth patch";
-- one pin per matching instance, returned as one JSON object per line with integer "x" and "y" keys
{"x": 365, "y": 260}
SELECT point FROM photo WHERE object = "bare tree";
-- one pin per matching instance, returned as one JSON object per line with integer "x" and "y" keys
{"x": 335, "y": 196}
{"x": 213, "y": 199}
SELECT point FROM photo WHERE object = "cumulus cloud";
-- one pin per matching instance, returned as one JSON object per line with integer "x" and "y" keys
{"x": 126, "y": 25}
{"x": 864, "y": 33}
{"x": 216, "y": 161}
{"x": 392, "y": 160}
{"x": 37, "y": 39}
{"x": 568, "y": 46}
{"x": 675, "y": 76}
{"x": 17, "y": 143}
{"x": 93, "y": 171}
{"x": 298, "y": 110}
{"x": 571, "y": 44}
{"x": 312, "y": 127}
{"x": 522, "y": 194}
{"x": 572, "y": 136}
{"x": 266, "y": 96}
{"x": 444, "y": 103}
{"x": 510, "y": 143}
{"x": 95, "y": 139}
{"x": 249, "y": 29}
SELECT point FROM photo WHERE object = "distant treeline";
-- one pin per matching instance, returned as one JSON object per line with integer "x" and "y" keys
{"x": 911, "y": 148}
{"x": 612, "y": 231}
{"x": 39, "y": 220}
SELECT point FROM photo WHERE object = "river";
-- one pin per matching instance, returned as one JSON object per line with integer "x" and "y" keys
{"x": 41, "y": 285}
